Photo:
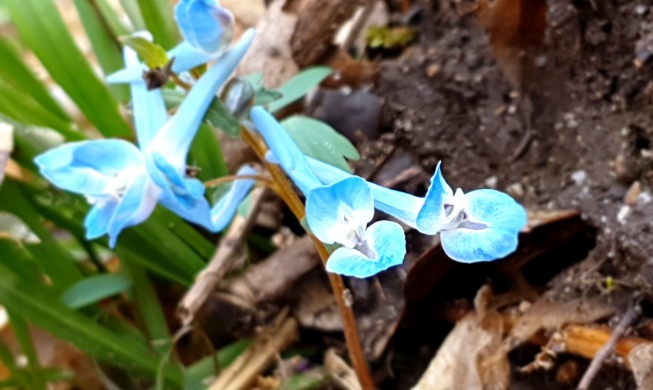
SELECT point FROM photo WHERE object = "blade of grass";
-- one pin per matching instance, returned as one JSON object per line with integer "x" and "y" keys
{"x": 149, "y": 307}
{"x": 15, "y": 72}
{"x": 24, "y": 338}
{"x": 225, "y": 356}
{"x": 38, "y": 305}
{"x": 19, "y": 106}
{"x": 134, "y": 14}
{"x": 60, "y": 267}
{"x": 206, "y": 152}
{"x": 111, "y": 18}
{"x": 18, "y": 377}
{"x": 106, "y": 48}
{"x": 157, "y": 15}
{"x": 187, "y": 233}
{"x": 44, "y": 31}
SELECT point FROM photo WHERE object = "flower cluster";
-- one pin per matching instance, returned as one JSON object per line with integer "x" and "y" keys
{"x": 124, "y": 182}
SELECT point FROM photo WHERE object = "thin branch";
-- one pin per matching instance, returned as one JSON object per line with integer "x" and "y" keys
{"x": 630, "y": 316}
{"x": 226, "y": 179}
{"x": 354, "y": 345}
{"x": 221, "y": 262}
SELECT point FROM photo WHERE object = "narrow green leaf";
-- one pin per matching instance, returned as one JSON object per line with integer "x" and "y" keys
{"x": 106, "y": 48}
{"x": 263, "y": 95}
{"x": 44, "y": 31}
{"x": 22, "y": 334}
{"x": 322, "y": 142}
{"x": 93, "y": 289}
{"x": 187, "y": 233}
{"x": 40, "y": 306}
{"x": 112, "y": 18}
{"x": 15, "y": 72}
{"x": 149, "y": 307}
{"x": 19, "y": 106}
{"x": 60, "y": 267}
{"x": 157, "y": 15}
{"x": 17, "y": 258}
{"x": 206, "y": 154}
{"x": 299, "y": 85}
{"x": 151, "y": 53}
{"x": 217, "y": 116}
{"x": 134, "y": 14}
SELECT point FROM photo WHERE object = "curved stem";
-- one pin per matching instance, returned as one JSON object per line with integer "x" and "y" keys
{"x": 226, "y": 179}
{"x": 289, "y": 196}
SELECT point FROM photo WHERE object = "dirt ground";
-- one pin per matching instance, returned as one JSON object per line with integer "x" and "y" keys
{"x": 565, "y": 125}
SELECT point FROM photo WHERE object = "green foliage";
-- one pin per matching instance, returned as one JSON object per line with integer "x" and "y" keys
{"x": 217, "y": 115}
{"x": 389, "y": 38}
{"x": 152, "y": 54}
{"x": 322, "y": 142}
{"x": 43, "y": 29}
{"x": 157, "y": 15}
{"x": 93, "y": 289}
{"x": 299, "y": 85}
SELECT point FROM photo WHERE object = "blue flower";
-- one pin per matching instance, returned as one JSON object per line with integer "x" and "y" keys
{"x": 482, "y": 225}
{"x": 337, "y": 213}
{"x": 123, "y": 182}
{"x": 207, "y": 29}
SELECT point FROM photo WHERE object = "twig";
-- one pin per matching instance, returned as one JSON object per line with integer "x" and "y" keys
{"x": 339, "y": 371}
{"x": 354, "y": 345}
{"x": 207, "y": 280}
{"x": 607, "y": 348}
{"x": 257, "y": 358}
{"x": 226, "y": 179}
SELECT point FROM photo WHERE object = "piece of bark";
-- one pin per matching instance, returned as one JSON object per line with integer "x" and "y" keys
{"x": 318, "y": 22}
{"x": 252, "y": 298}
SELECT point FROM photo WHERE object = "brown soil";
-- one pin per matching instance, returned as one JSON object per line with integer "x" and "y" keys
{"x": 573, "y": 133}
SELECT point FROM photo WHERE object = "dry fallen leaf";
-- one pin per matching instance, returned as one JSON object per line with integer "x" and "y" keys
{"x": 472, "y": 356}
{"x": 515, "y": 27}
{"x": 641, "y": 360}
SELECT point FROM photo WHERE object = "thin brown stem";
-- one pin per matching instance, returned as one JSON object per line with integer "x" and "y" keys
{"x": 226, "y": 179}
{"x": 289, "y": 196}
{"x": 179, "y": 82}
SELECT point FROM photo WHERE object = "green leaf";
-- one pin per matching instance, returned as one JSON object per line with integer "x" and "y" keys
{"x": 22, "y": 334}
{"x": 104, "y": 45}
{"x": 206, "y": 154}
{"x": 60, "y": 266}
{"x": 40, "y": 306}
{"x": 216, "y": 116}
{"x": 225, "y": 356}
{"x": 20, "y": 107}
{"x": 299, "y": 85}
{"x": 152, "y": 54}
{"x": 157, "y": 15}
{"x": 320, "y": 141}
{"x": 44, "y": 31}
{"x": 134, "y": 14}
{"x": 94, "y": 289}
{"x": 112, "y": 18}
{"x": 262, "y": 95}
{"x": 14, "y": 71}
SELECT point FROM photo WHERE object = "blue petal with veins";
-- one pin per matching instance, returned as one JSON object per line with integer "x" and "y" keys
{"x": 489, "y": 230}
{"x": 205, "y": 25}
{"x": 386, "y": 247}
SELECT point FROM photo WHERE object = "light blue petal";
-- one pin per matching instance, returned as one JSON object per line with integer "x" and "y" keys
{"x": 224, "y": 210}
{"x": 334, "y": 209}
{"x": 134, "y": 207}
{"x": 432, "y": 215}
{"x": 504, "y": 219}
{"x": 204, "y": 24}
{"x": 86, "y": 167}
{"x": 183, "y": 196}
{"x": 386, "y": 238}
{"x": 187, "y": 57}
{"x": 284, "y": 150}
{"x": 174, "y": 139}
{"x": 98, "y": 218}
{"x": 405, "y": 207}
{"x": 149, "y": 110}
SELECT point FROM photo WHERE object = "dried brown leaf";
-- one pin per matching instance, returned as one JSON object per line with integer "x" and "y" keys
{"x": 515, "y": 27}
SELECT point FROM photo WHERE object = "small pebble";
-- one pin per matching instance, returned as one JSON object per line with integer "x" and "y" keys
{"x": 633, "y": 193}
{"x": 516, "y": 190}
{"x": 491, "y": 182}
{"x": 579, "y": 177}
{"x": 432, "y": 70}
{"x": 623, "y": 214}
